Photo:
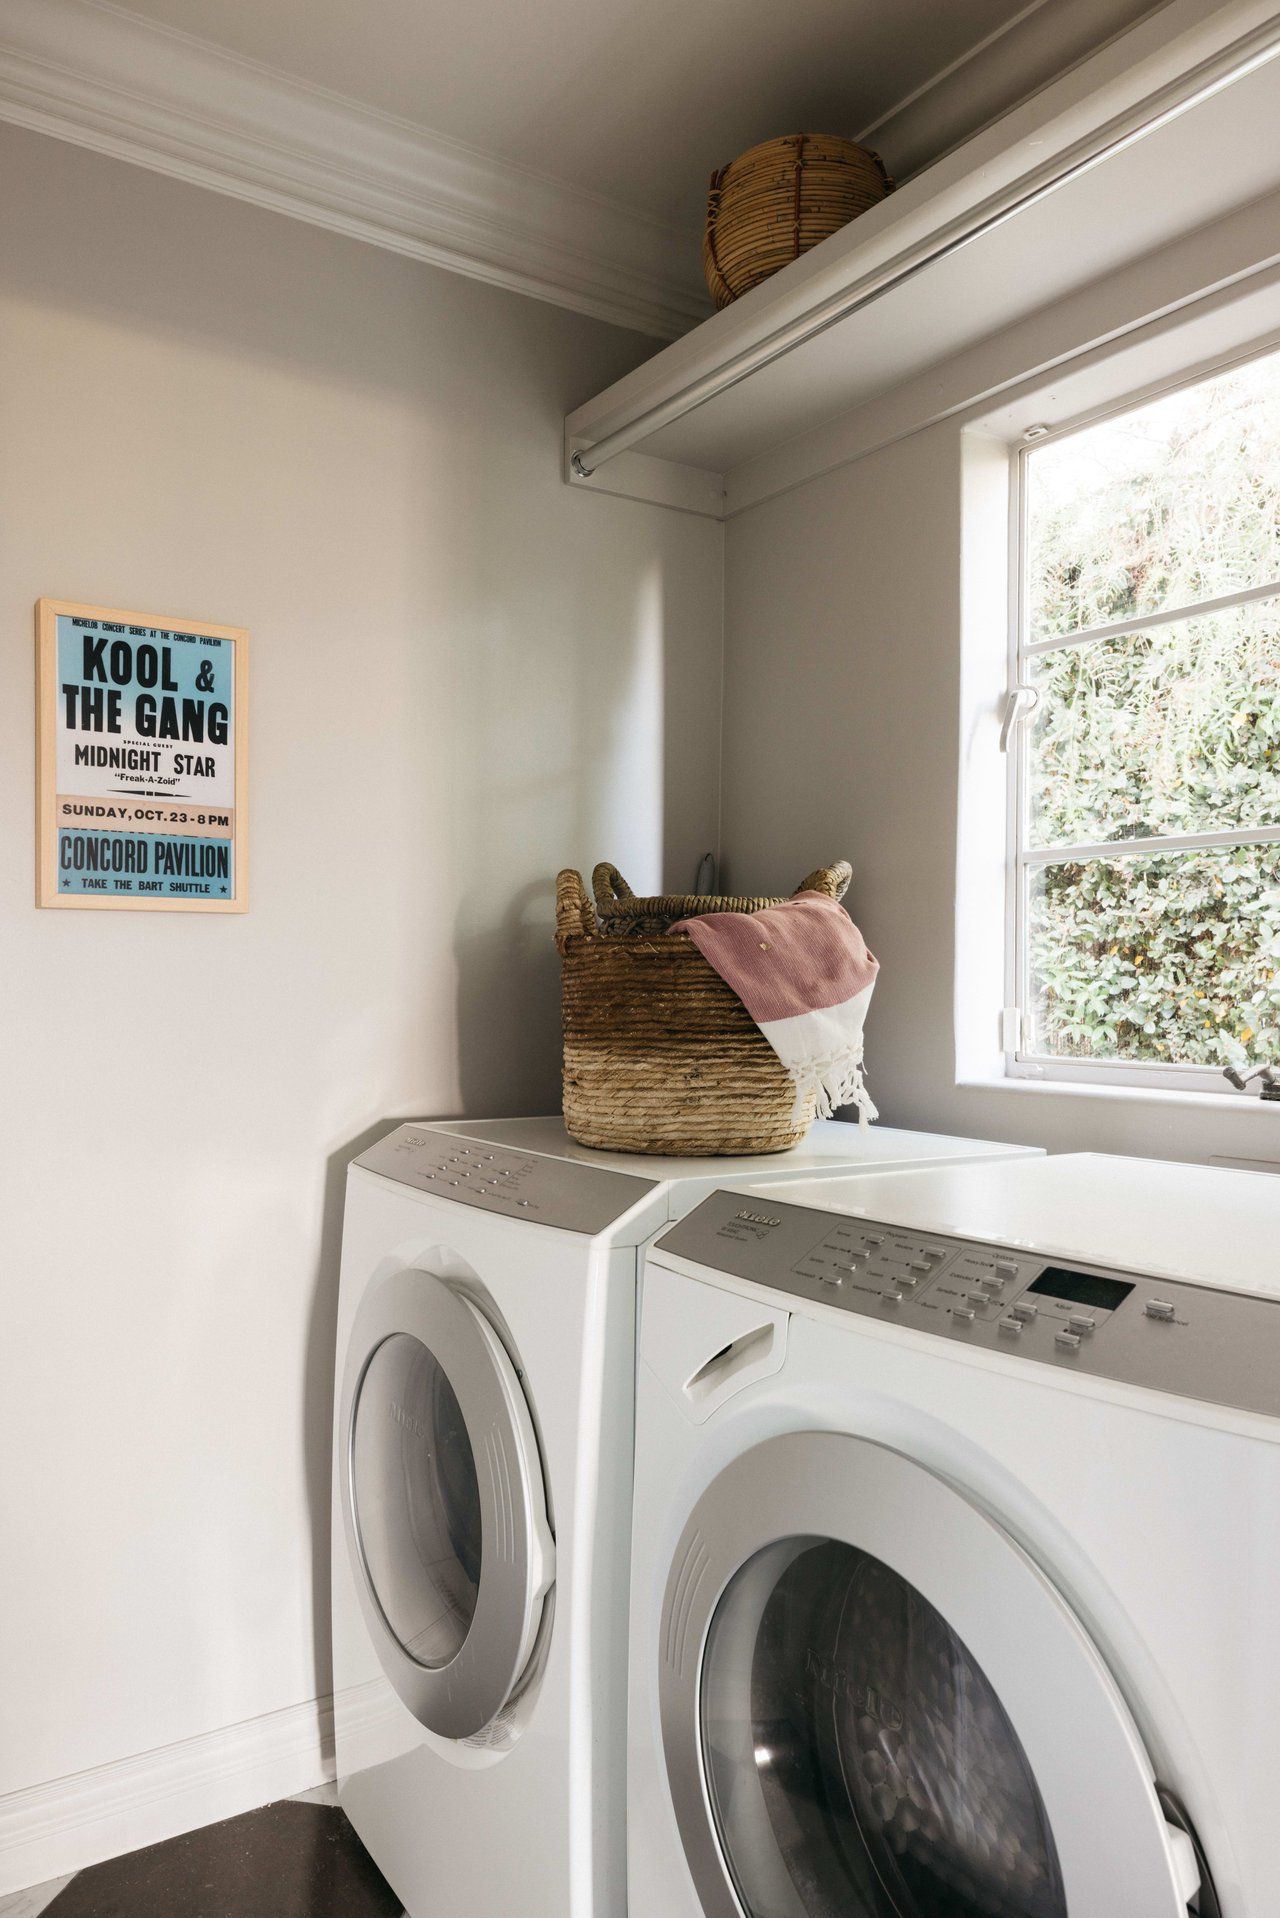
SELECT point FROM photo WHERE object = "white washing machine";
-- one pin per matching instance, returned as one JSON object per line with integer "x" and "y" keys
{"x": 486, "y": 1350}
{"x": 956, "y": 1568}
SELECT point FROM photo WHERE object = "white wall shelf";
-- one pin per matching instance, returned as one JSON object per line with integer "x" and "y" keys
{"x": 1165, "y": 132}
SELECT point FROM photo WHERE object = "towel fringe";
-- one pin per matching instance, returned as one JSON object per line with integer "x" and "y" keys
{"x": 834, "y": 1081}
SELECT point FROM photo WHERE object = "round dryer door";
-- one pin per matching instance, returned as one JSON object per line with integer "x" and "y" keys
{"x": 875, "y": 1706}
{"x": 444, "y": 1502}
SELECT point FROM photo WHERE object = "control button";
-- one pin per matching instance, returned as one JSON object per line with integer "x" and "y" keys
{"x": 1005, "y": 1270}
{"x": 1024, "y": 1309}
{"x": 1011, "y": 1328}
{"x": 994, "y": 1286}
{"x": 524, "y": 1202}
{"x": 909, "y": 1280}
{"x": 1069, "y": 1341}
{"x": 873, "y": 1238}
{"x": 921, "y": 1266}
{"x": 964, "y": 1313}
{"x": 852, "y": 1266}
{"x": 1080, "y": 1323}
{"x": 935, "y": 1252}
{"x": 829, "y": 1278}
{"x": 979, "y": 1299}
{"x": 892, "y": 1298}
{"x": 1159, "y": 1309}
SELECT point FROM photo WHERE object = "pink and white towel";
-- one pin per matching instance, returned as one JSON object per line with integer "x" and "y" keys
{"x": 803, "y": 972}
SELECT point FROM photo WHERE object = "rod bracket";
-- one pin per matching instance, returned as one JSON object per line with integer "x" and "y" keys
{"x": 579, "y": 468}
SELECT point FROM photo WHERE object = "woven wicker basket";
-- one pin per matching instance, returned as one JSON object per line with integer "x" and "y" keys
{"x": 777, "y": 200}
{"x": 660, "y": 1055}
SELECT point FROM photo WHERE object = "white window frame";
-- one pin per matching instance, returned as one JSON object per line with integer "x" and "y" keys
{"x": 1015, "y": 739}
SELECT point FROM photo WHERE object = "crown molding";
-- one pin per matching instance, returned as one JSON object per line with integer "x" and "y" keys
{"x": 98, "y": 76}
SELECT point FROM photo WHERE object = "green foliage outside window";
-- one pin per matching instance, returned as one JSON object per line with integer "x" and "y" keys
{"x": 1169, "y": 957}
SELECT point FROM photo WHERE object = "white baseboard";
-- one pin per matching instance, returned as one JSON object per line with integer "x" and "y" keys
{"x": 50, "y": 1829}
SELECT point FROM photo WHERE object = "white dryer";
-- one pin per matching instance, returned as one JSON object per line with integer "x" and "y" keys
{"x": 483, "y": 1452}
{"x": 956, "y": 1567}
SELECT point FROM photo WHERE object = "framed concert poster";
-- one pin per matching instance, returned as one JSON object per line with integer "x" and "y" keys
{"x": 142, "y": 764}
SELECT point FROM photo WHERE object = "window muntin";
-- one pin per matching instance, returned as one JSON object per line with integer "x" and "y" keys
{"x": 1147, "y": 771}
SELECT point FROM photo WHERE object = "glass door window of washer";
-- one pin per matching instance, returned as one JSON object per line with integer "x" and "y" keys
{"x": 874, "y": 1705}
{"x": 444, "y": 1502}
{"x": 839, "y": 1701}
{"x": 417, "y": 1494}
{"x": 1144, "y": 734}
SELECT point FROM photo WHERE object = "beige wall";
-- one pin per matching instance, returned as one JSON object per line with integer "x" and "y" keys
{"x": 842, "y": 739}
{"x": 464, "y": 675}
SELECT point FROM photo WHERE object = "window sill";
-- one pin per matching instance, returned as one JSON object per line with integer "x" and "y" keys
{"x": 1140, "y": 1095}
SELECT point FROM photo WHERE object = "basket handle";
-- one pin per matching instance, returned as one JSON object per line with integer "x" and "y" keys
{"x": 885, "y": 175}
{"x": 831, "y": 880}
{"x": 575, "y": 915}
{"x": 608, "y": 885}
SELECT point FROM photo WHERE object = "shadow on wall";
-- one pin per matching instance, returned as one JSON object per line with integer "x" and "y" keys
{"x": 318, "y": 1396}
{"x": 508, "y": 1005}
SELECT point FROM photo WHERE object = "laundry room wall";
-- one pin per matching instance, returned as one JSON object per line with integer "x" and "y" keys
{"x": 844, "y": 645}
{"x": 463, "y": 675}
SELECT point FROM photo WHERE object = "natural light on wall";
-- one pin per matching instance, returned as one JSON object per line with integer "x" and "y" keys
{"x": 1145, "y": 764}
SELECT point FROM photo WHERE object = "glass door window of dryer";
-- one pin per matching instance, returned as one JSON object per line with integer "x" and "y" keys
{"x": 417, "y": 1502}
{"x": 858, "y": 1761}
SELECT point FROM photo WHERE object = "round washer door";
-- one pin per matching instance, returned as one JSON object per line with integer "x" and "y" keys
{"x": 443, "y": 1500}
{"x": 874, "y": 1705}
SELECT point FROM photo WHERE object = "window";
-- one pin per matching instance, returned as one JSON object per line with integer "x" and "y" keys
{"x": 1145, "y": 740}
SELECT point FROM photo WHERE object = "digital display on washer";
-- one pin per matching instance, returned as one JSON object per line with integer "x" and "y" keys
{"x": 1082, "y": 1288}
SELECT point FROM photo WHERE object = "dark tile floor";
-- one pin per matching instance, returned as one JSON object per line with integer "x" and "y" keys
{"x": 296, "y": 1859}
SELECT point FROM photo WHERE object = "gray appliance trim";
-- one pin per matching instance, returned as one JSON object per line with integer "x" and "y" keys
{"x": 811, "y": 1485}
{"x": 528, "y": 1186}
{"x": 458, "y": 1699}
{"x": 1203, "y": 1342}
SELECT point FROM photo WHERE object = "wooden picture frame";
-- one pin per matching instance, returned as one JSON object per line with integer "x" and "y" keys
{"x": 142, "y": 761}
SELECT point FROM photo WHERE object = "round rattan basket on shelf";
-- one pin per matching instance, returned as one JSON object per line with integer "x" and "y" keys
{"x": 777, "y": 200}
{"x": 660, "y": 1055}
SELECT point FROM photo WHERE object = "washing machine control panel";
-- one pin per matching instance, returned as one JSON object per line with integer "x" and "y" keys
{"x": 494, "y": 1178}
{"x": 1170, "y": 1335}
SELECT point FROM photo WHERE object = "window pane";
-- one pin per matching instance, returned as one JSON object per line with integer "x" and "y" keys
{"x": 1172, "y": 731}
{"x": 1169, "y": 958}
{"x": 1176, "y": 502}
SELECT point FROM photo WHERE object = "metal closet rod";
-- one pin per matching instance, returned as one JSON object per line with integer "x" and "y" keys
{"x": 1244, "y": 58}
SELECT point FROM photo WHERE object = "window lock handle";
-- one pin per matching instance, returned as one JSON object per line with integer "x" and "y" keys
{"x": 1020, "y": 702}
{"x": 1269, "y": 1076}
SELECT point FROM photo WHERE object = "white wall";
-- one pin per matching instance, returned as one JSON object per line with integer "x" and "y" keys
{"x": 843, "y": 729}
{"x": 464, "y": 675}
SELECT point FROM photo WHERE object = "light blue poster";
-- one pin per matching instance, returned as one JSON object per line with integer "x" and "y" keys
{"x": 146, "y": 761}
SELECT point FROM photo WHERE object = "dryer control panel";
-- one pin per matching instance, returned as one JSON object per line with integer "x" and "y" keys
{"x": 493, "y": 1178}
{"x": 1170, "y": 1335}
